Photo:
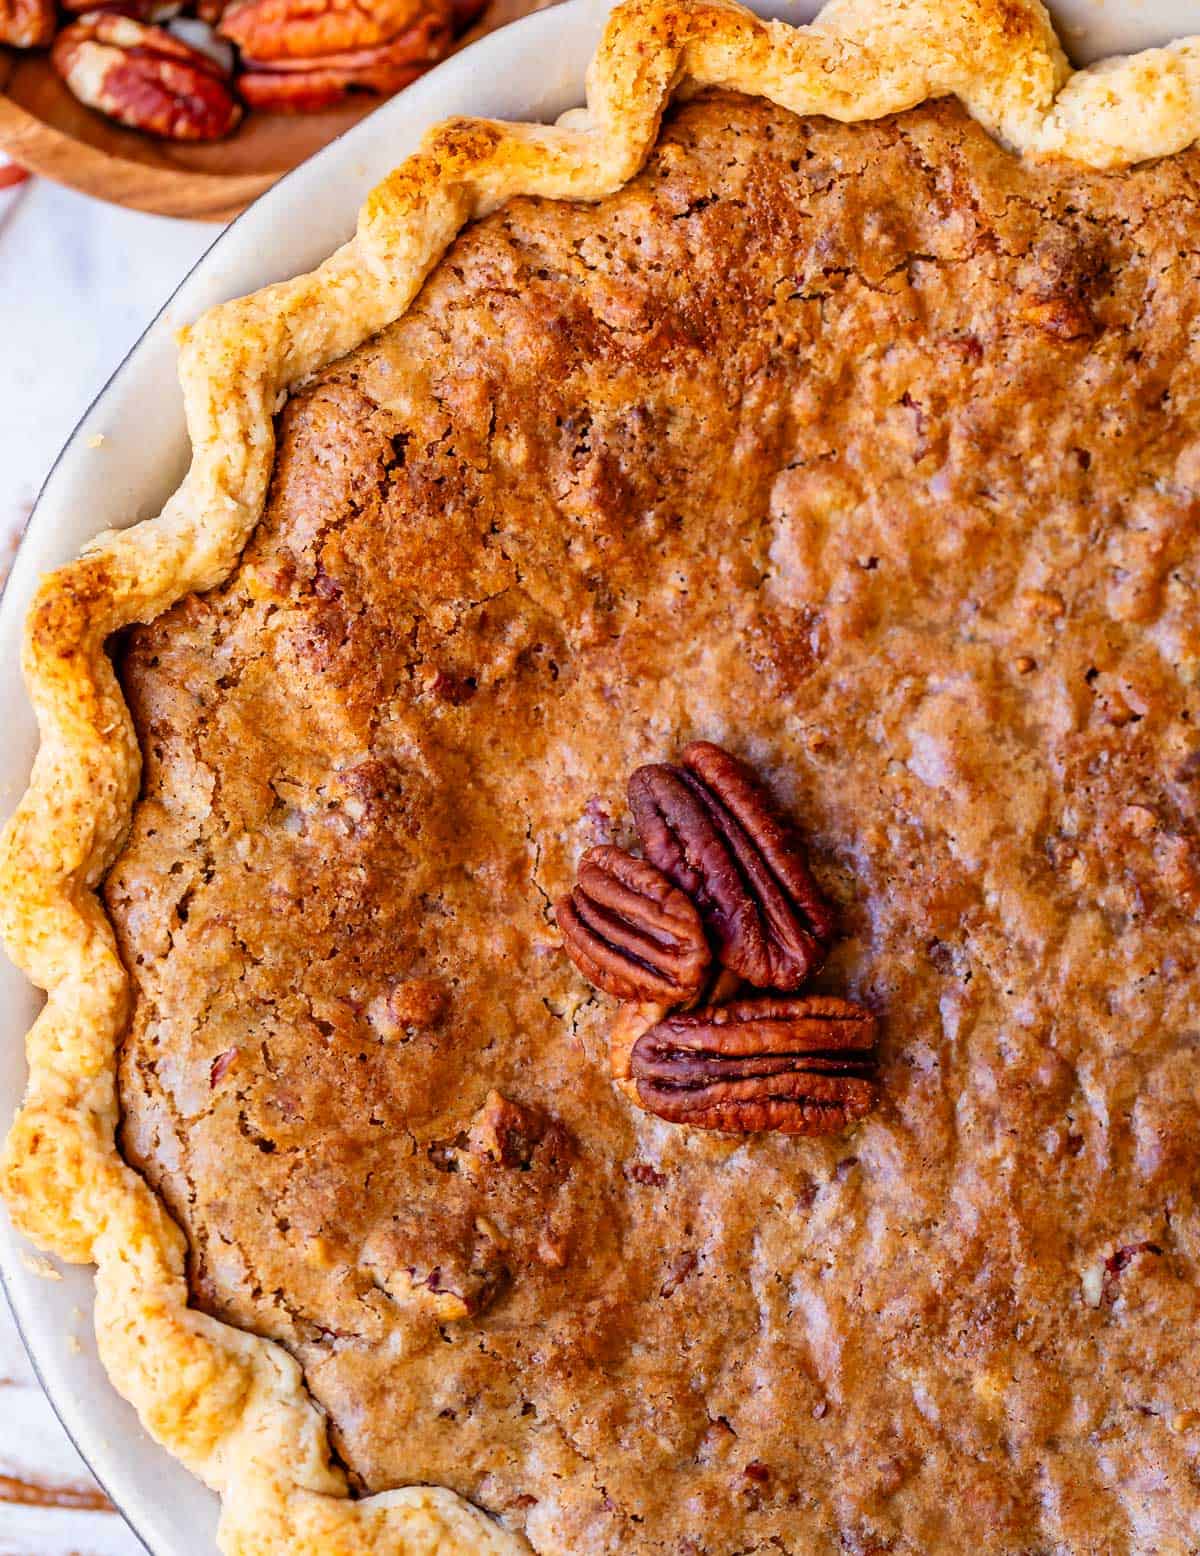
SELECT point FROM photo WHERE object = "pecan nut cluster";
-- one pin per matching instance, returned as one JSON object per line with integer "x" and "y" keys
{"x": 723, "y": 902}
{"x": 185, "y": 70}
{"x": 145, "y": 78}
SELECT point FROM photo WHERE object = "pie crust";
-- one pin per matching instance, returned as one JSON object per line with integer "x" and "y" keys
{"x": 231, "y": 1406}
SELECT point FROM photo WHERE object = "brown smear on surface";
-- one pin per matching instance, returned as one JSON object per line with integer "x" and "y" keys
{"x": 28, "y": 1493}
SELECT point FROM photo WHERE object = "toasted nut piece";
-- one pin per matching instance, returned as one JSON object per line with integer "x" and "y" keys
{"x": 272, "y": 30}
{"x": 799, "y": 1066}
{"x": 456, "y": 1272}
{"x": 144, "y": 78}
{"x": 714, "y": 830}
{"x": 630, "y": 932}
{"x": 506, "y": 1132}
{"x": 26, "y": 24}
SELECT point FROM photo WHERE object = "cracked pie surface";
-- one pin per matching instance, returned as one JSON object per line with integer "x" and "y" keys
{"x": 869, "y": 449}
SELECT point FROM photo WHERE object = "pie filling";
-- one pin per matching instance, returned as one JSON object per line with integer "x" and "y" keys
{"x": 873, "y": 455}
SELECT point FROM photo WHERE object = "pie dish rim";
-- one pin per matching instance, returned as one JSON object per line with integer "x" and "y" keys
{"x": 255, "y": 1416}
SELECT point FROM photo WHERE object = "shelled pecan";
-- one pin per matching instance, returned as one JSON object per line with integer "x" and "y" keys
{"x": 714, "y": 830}
{"x": 26, "y": 24}
{"x": 300, "y": 55}
{"x": 144, "y": 78}
{"x": 630, "y": 932}
{"x": 800, "y": 1066}
{"x": 308, "y": 85}
{"x": 312, "y": 29}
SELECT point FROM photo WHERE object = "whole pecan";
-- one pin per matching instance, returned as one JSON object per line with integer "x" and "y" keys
{"x": 26, "y": 24}
{"x": 144, "y": 78}
{"x": 713, "y": 829}
{"x": 630, "y": 932}
{"x": 799, "y": 1066}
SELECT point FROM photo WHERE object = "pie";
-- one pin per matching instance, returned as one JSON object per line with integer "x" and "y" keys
{"x": 833, "y": 419}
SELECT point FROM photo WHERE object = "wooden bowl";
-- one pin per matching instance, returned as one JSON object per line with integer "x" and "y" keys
{"x": 46, "y": 130}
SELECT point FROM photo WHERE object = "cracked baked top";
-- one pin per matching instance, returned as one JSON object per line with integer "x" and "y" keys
{"x": 872, "y": 453}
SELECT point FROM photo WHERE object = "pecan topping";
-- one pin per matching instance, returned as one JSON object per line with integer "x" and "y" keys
{"x": 506, "y": 1132}
{"x": 465, "y": 1276}
{"x": 800, "y": 1066}
{"x": 712, "y": 828}
{"x": 630, "y": 932}
{"x": 145, "y": 78}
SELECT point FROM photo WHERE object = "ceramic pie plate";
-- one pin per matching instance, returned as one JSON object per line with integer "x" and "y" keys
{"x": 119, "y": 466}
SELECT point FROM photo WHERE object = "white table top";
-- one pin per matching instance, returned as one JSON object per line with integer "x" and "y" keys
{"x": 78, "y": 283}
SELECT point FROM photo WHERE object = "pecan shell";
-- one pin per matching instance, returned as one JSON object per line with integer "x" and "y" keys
{"x": 144, "y": 78}
{"x": 712, "y": 828}
{"x": 799, "y": 1066}
{"x": 26, "y": 24}
{"x": 630, "y": 932}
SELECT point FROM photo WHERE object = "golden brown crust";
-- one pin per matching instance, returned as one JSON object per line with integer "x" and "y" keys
{"x": 229, "y": 1405}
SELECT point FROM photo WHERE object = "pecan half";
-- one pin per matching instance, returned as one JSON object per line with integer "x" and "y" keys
{"x": 314, "y": 29}
{"x": 289, "y": 90}
{"x": 308, "y": 85}
{"x": 26, "y": 24}
{"x": 630, "y": 932}
{"x": 144, "y": 78}
{"x": 714, "y": 830}
{"x": 799, "y": 1066}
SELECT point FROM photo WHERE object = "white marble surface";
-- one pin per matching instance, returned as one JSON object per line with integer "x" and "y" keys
{"x": 78, "y": 282}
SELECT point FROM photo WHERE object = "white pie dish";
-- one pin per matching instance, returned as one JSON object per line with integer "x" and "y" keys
{"x": 118, "y": 467}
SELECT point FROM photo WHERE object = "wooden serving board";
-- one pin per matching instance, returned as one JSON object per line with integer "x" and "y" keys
{"x": 46, "y": 130}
